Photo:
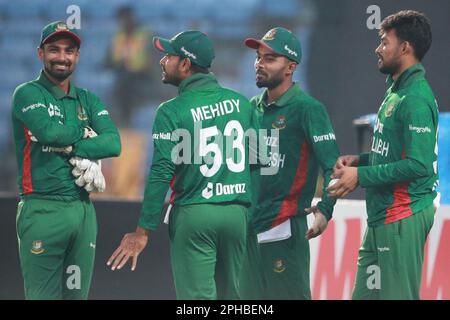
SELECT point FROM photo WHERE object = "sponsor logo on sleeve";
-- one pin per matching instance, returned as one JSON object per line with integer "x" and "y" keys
{"x": 325, "y": 137}
{"x": 33, "y": 106}
{"x": 419, "y": 129}
{"x": 161, "y": 136}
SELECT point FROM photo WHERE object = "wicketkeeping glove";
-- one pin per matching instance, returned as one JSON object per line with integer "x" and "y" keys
{"x": 88, "y": 174}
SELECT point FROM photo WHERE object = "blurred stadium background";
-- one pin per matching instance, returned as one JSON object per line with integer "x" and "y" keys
{"x": 339, "y": 68}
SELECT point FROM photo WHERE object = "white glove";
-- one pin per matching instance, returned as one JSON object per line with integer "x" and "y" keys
{"x": 89, "y": 174}
{"x": 89, "y": 133}
{"x": 32, "y": 138}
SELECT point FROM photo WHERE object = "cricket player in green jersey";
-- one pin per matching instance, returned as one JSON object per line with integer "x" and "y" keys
{"x": 200, "y": 150}
{"x": 52, "y": 121}
{"x": 277, "y": 264}
{"x": 400, "y": 173}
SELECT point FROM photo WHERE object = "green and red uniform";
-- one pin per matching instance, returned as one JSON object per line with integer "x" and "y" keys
{"x": 56, "y": 224}
{"x": 280, "y": 270}
{"x": 210, "y": 198}
{"x": 400, "y": 177}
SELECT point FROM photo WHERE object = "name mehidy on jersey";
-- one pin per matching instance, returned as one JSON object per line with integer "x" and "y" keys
{"x": 215, "y": 110}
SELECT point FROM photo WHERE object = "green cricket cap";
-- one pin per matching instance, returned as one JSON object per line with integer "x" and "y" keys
{"x": 191, "y": 44}
{"x": 56, "y": 28}
{"x": 280, "y": 41}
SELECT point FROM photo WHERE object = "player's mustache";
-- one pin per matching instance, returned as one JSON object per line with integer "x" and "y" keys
{"x": 60, "y": 62}
{"x": 261, "y": 73}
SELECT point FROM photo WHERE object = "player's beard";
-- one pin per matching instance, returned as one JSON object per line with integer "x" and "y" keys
{"x": 269, "y": 82}
{"x": 59, "y": 75}
{"x": 173, "y": 78}
{"x": 389, "y": 67}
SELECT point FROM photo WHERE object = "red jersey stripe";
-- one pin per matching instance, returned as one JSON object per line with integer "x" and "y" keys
{"x": 290, "y": 202}
{"x": 400, "y": 208}
{"x": 27, "y": 184}
{"x": 172, "y": 196}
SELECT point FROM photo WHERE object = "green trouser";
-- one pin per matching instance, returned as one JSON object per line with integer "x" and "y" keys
{"x": 391, "y": 257}
{"x": 277, "y": 270}
{"x": 207, "y": 246}
{"x": 56, "y": 247}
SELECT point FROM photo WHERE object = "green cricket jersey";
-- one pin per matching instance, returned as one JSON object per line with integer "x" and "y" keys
{"x": 57, "y": 120}
{"x": 400, "y": 172}
{"x": 306, "y": 141}
{"x": 199, "y": 149}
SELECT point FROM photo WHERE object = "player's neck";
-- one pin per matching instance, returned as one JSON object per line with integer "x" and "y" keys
{"x": 63, "y": 85}
{"x": 274, "y": 93}
{"x": 404, "y": 66}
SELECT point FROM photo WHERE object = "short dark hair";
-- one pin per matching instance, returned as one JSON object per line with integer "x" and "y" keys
{"x": 411, "y": 26}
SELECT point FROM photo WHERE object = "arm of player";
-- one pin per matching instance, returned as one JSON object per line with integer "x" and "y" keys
{"x": 107, "y": 142}
{"x": 37, "y": 118}
{"x": 161, "y": 173}
{"x": 323, "y": 143}
{"x": 162, "y": 170}
{"x": 419, "y": 136}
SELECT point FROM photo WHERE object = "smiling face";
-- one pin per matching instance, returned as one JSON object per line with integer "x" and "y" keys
{"x": 389, "y": 52}
{"x": 60, "y": 56}
{"x": 271, "y": 68}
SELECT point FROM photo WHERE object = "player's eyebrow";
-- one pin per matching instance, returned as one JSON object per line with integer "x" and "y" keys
{"x": 269, "y": 55}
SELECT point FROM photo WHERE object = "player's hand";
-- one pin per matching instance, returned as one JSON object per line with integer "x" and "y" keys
{"x": 93, "y": 177}
{"x": 89, "y": 133}
{"x": 348, "y": 181}
{"x": 319, "y": 225}
{"x": 131, "y": 246}
{"x": 32, "y": 137}
{"x": 346, "y": 161}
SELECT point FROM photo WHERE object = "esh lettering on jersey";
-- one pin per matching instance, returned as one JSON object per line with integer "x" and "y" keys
{"x": 277, "y": 160}
{"x": 380, "y": 147}
{"x": 218, "y": 109}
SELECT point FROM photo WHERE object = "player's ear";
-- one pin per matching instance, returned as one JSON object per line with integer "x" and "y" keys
{"x": 186, "y": 65}
{"x": 40, "y": 53}
{"x": 292, "y": 66}
{"x": 77, "y": 55}
{"x": 407, "y": 48}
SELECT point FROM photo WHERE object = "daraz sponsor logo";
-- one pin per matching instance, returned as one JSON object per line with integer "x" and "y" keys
{"x": 222, "y": 189}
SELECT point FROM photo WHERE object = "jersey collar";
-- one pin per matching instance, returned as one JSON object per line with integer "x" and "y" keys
{"x": 198, "y": 81}
{"x": 54, "y": 89}
{"x": 285, "y": 98}
{"x": 416, "y": 70}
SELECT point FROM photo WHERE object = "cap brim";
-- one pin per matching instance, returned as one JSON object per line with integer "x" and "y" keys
{"x": 163, "y": 45}
{"x": 65, "y": 32}
{"x": 255, "y": 43}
